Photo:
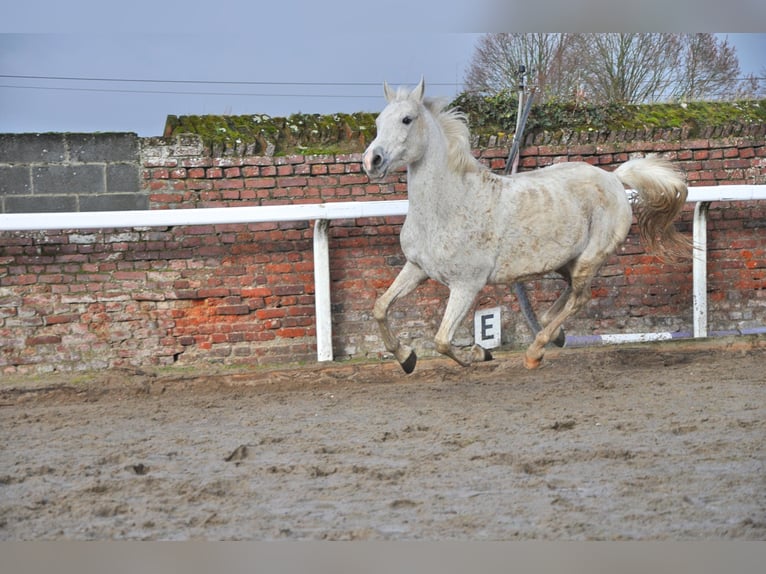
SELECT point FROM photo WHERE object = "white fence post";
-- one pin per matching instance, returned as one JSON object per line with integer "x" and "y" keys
{"x": 322, "y": 289}
{"x": 699, "y": 269}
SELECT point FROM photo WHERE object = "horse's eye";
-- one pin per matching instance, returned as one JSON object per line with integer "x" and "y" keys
{"x": 407, "y": 120}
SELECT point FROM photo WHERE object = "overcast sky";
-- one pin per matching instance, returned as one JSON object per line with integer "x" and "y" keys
{"x": 278, "y": 75}
{"x": 277, "y": 59}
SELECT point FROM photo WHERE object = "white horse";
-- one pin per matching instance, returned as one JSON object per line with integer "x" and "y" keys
{"x": 468, "y": 227}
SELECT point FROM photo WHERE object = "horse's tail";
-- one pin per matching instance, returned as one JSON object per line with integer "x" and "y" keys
{"x": 661, "y": 195}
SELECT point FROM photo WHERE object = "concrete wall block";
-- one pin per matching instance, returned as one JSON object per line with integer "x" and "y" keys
{"x": 15, "y": 180}
{"x": 123, "y": 178}
{"x": 32, "y": 148}
{"x": 68, "y": 179}
{"x": 105, "y": 147}
{"x": 40, "y": 204}
{"x": 114, "y": 202}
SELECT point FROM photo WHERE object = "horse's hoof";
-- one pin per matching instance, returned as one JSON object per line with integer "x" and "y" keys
{"x": 409, "y": 364}
{"x": 479, "y": 354}
{"x": 561, "y": 339}
{"x": 532, "y": 363}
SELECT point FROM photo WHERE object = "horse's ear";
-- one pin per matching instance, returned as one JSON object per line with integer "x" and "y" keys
{"x": 389, "y": 93}
{"x": 419, "y": 90}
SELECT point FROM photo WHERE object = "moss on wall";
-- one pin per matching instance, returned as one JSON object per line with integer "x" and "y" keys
{"x": 309, "y": 134}
{"x": 263, "y": 135}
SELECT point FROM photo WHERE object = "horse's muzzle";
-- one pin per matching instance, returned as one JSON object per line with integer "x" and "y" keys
{"x": 374, "y": 162}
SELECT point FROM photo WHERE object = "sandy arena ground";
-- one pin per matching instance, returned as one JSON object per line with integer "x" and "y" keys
{"x": 654, "y": 441}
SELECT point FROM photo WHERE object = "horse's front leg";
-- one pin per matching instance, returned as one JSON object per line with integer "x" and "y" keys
{"x": 408, "y": 279}
{"x": 460, "y": 301}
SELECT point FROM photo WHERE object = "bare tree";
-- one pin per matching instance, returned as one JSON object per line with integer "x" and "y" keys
{"x": 497, "y": 59}
{"x": 629, "y": 68}
{"x": 758, "y": 84}
{"x": 710, "y": 70}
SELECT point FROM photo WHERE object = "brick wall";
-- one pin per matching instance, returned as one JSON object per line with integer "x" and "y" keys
{"x": 244, "y": 293}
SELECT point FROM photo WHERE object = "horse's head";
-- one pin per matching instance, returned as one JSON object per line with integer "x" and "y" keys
{"x": 401, "y": 132}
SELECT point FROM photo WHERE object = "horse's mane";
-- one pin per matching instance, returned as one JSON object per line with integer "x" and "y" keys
{"x": 454, "y": 124}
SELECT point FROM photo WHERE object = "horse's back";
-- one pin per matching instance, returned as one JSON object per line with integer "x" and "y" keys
{"x": 556, "y": 214}
{"x": 566, "y": 193}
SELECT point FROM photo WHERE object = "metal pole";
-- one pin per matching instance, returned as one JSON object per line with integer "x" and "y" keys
{"x": 510, "y": 167}
{"x": 509, "y": 164}
{"x": 519, "y": 127}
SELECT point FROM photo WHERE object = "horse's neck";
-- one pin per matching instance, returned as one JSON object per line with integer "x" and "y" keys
{"x": 431, "y": 180}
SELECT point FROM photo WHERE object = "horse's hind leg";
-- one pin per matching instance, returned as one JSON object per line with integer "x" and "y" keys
{"x": 460, "y": 301}
{"x": 408, "y": 279}
{"x": 570, "y": 302}
{"x": 529, "y": 314}
{"x": 558, "y": 337}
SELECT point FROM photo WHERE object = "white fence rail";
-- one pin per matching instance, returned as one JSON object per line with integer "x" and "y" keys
{"x": 324, "y": 212}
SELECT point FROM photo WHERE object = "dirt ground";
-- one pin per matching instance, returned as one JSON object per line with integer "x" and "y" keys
{"x": 653, "y": 441}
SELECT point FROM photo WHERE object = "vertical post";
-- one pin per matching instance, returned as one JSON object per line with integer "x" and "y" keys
{"x": 322, "y": 289}
{"x": 699, "y": 269}
{"x": 512, "y": 162}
